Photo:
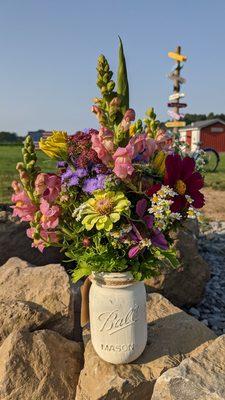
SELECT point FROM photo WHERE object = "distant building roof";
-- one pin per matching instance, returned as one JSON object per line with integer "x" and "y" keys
{"x": 203, "y": 124}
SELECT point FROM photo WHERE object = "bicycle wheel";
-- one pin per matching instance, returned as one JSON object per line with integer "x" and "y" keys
{"x": 211, "y": 160}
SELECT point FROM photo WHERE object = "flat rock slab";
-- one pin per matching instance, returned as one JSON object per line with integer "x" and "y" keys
{"x": 200, "y": 377}
{"x": 15, "y": 315}
{"x": 48, "y": 286}
{"x": 172, "y": 336}
{"x": 41, "y": 365}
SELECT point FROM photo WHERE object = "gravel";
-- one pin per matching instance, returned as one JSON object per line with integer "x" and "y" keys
{"x": 211, "y": 310}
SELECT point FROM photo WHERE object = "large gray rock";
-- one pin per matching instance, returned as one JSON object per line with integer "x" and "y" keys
{"x": 15, "y": 243}
{"x": 172, "y": 336}
{"x": 15, "y": 315}
{"x": 47, "y": 286}
{"x": 200, "y": 377}
{"x": 184, "y": 286}
{"x": 39, "y": 366}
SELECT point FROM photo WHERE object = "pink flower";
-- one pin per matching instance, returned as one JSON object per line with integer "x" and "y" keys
{"x": 16, "y": 186}
{"x": 45, "y": 236}
{"x": 163, "y": 141}
{"x": 50, "y": 215}
{"x": 24, "y": 208}
{"x": 123, "y": 162}
{"x": 142, "y": 146}
{"x": 107, "y": 138}
{"x": 98, "y": 144}
{"x": 48, "y": 186}
{"x": 127, "y": 118}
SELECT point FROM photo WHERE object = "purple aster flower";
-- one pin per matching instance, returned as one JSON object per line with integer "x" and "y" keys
{"x": 81, "y": 172}
{"x": 67, "y": 175}
{"x": 74, "y": 181}
{"x": 92, "y": 184}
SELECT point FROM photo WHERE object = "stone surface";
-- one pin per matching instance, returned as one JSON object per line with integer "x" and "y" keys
{"x": 201, "y": 377}
{"x": 47, "y": 286}
{"x": 184, "y": 286}
{"x": 172, "y": 335}
{"x": 15, "y": 315}
{"x": 15, "y": 243}
{"x": 41, "y": 365}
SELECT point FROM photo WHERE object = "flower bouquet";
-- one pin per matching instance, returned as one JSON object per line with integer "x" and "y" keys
{"x": 118, "y": 191}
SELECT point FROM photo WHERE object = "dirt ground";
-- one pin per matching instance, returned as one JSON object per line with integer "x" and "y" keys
{"x": 215, "y": 204}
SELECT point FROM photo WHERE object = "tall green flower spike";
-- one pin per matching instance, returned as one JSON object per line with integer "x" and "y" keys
{"x": 122, "y": 80}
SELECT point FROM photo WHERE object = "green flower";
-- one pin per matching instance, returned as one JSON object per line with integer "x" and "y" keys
{"x": 104, "y": 209}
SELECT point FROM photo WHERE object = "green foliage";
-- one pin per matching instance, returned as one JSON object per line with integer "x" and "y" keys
{"x": 122, "y": 79}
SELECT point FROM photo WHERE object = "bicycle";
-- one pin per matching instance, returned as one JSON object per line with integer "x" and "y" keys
{"x": 209, "y": 156}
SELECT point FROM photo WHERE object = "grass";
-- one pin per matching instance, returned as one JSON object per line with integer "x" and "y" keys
{"x": 216, "y": 180}
{"x": 10, "y": 155}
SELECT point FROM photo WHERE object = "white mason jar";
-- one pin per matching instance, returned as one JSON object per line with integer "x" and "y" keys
{"x": 117, "y": 317}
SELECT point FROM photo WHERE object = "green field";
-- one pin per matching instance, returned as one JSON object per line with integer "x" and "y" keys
{"x": 10, "y": 155}
{"x": 216, "y": 180}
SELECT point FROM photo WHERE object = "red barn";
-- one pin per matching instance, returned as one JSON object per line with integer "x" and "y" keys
{"x": 209, "y": 133}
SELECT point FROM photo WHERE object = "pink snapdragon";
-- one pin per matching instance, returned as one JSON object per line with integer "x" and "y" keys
{"x": 123, "y": 162}
{"x": 142, "y": 146}
{"x": 127, "y": 118}
{"x": 163, "y": 141}
{"x": 102, "y": 144}
{"x": 24, "y": 208}
{"x": 45, "y": 237}
{"x": 50, "y": 215}
{"x": 48, "y": 186}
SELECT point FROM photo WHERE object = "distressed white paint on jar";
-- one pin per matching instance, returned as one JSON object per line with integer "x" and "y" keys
{"x": 117, "y": 317}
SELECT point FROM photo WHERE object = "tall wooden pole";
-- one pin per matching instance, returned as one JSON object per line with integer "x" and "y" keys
{"x": 174, "y": 98}
{"x": 176, "y": 85}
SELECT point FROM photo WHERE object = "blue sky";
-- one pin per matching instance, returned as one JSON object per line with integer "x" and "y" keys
{"x": 49, "y": 48}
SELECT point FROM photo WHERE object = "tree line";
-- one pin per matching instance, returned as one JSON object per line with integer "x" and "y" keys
{"x": 189, "y": 118}
{"x": 10, "y": 138}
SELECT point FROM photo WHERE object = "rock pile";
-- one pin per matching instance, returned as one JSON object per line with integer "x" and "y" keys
{"x": 37, "y": 311}
{"x": 39, "y": 358}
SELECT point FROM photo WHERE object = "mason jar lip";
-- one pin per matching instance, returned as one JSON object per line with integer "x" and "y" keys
{"x": 113, "y": 279}
{"x": 110, "y": 275}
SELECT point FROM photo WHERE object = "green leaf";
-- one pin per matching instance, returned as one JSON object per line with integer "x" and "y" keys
{"x": 171, "y": 257}
{"x": 122, "y": 79}
{"x": 80, "y": 272}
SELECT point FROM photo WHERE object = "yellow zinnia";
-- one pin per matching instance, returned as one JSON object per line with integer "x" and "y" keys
{"x": 55, "y": 146}
{"x": 104, "y": 209}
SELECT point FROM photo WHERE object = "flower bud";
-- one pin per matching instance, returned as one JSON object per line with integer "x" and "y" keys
{"x": 19, "y": 166}
{"x": 115, "y": 102}
{"x": 110, "y": 86}
{"x": 129, "y": 115}
{"x": 86, "y": 241}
